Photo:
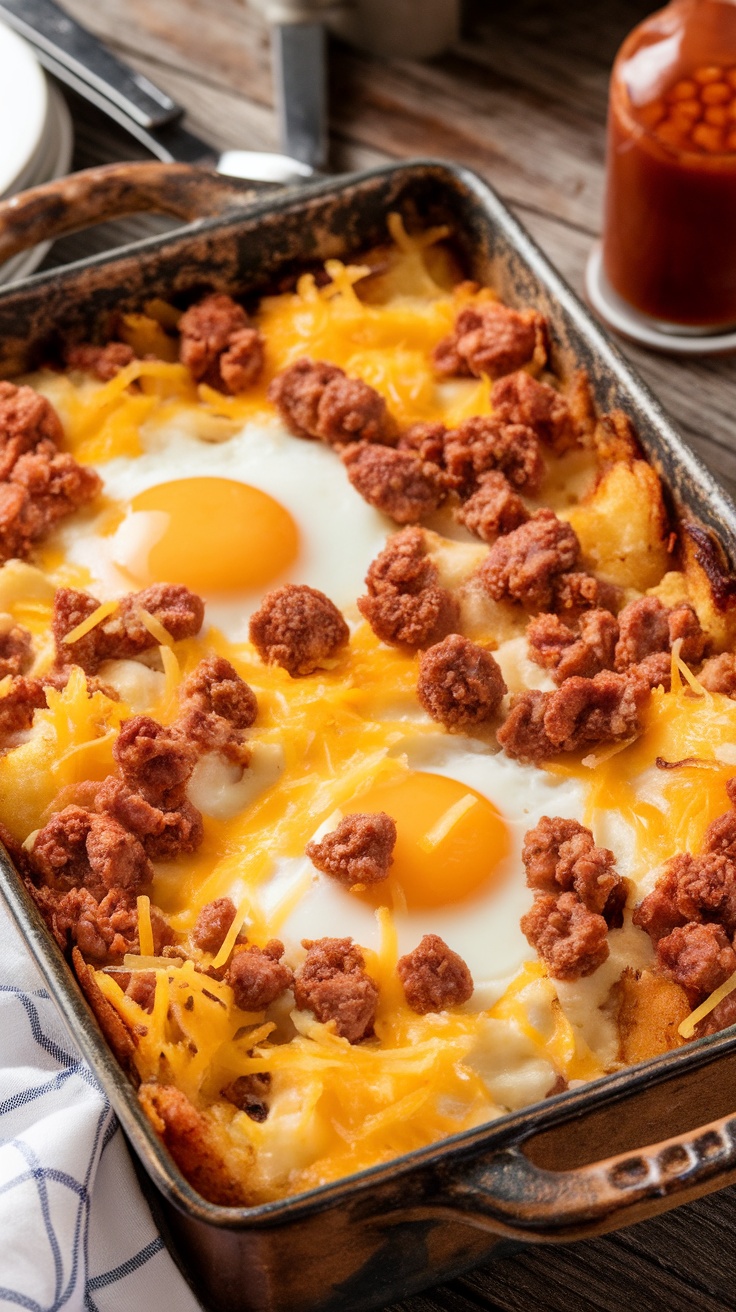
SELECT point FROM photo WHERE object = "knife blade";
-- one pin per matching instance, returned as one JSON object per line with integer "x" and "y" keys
{"x": 300, "y": 74}
{"x": 79, "y": 60}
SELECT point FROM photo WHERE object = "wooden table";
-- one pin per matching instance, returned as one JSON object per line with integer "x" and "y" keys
{"x": 522, "y": 99}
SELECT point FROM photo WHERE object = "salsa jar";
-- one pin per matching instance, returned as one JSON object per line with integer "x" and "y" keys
{"x": 669, "y": 240}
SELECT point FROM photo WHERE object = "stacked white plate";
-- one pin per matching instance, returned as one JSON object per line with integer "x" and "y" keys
{"x": 35, "y": 135}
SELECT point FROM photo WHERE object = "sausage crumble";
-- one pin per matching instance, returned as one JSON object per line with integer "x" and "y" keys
{"x": 217, "y": 708}
{"x": 558, "y": 648}
{"x": 492, "y": 339}
{"x": 719, "y": 674}
{"x": 560, "y": 855}
{"x": 648, "y": 628}
{"x": 405, "y": 605}
{"x": 258, "y": 976}
{"x": 493, "y": 509}
{"x": 400, "y": 484}
{"x": 219, "y": 346}
{"x": 582, "y": 712}
{"x": 299, "y": 628}
{"x": 479, "y": 445}
{"x": 213, "y": 923}
{"x": 318, "y": 400}
{"x": 334, "y": 985}
{"x": 459, "y": 683}
{"x": 434, "y": 977}
{"x": 123, "y": 634}
{"x": 521, "y": 399}
{"x": 359, "y": 851}
{"x": 522, "y": 565}
{"x": 571, "y": 940}
{"x": 105, "y": 362}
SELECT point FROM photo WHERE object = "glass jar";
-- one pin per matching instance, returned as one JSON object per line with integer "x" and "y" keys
{"x": 669, "y": 243}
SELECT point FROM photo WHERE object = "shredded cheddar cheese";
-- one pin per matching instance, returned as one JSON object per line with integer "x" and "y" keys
{"x": 446, "y": 823}
{"x": 103, "y": 612}
{"x": 145, "y": 932}
{"x": 687, "y": 1027}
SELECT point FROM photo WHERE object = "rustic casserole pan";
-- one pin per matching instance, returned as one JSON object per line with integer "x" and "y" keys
{"x": 536, "y": 1175}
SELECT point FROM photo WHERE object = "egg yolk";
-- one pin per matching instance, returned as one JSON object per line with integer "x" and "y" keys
{"x": 450, "y": 840}
{"x": 217, "y": 535}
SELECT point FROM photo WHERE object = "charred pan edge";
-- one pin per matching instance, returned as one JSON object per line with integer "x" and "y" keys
{"x": 712, "y": 559}
{"x": 266, "y": 243}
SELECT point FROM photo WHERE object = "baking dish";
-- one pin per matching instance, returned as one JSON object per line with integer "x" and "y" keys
{"x": 392, "y": 1229}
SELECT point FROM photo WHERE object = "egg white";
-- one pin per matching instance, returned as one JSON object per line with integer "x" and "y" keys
{"x": 340, "y": 533}
{"x": 484, "y": 928}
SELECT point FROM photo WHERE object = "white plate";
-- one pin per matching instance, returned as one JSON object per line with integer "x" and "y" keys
{"x": 24, "y": 101}
{"x": 51, "y": 160}
{"x": 615, "y": 312}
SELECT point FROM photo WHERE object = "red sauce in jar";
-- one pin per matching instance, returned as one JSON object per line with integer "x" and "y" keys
{"x": 669, "y": 244}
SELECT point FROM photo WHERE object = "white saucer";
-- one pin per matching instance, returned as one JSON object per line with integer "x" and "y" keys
{"x": 615, "y": 312}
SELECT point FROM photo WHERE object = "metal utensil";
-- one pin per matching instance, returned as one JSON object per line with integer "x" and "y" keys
{"x": 82, "y": 62}
{"x": 300, "y": 73}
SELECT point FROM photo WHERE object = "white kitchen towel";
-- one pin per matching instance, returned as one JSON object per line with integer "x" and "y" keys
{"x": 75, "y": 1230}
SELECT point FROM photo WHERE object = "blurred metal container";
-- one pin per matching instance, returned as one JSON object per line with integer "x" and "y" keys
{"x": 403, "y": 29}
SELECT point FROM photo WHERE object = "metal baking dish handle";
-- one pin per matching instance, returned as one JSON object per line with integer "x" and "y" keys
{"x": 509, "y": 1194}
{"x": 112, "y": 191}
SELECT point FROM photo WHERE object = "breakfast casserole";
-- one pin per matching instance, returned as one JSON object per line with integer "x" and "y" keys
{"x": 368, "y": 717}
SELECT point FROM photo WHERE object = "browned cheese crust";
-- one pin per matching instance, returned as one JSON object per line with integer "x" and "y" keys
{"x": 121, "y": 1039}
{"x": 649, "y": 1010}
{"x": 192, "y": 1143}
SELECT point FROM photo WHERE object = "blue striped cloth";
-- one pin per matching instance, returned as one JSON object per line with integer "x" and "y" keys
{"x": 75, "y": 1230}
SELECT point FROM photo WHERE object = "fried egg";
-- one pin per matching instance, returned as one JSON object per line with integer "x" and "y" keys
{"x": 230, "y": 520}
{"x": 461, "y": 813}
